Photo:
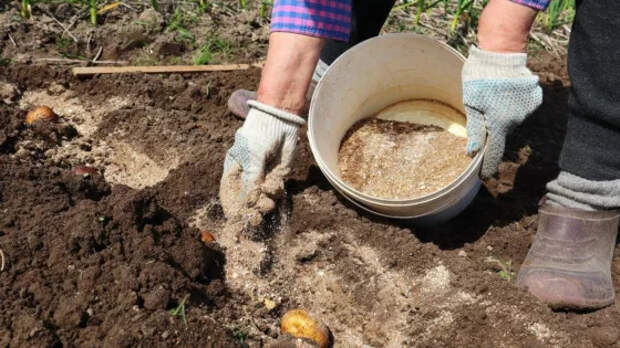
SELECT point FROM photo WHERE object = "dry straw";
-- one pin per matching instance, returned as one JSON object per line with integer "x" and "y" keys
{"x": 2, "y": 261}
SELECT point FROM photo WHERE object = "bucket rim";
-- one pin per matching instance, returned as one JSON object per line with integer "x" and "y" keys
{"x": 344, "y": 188}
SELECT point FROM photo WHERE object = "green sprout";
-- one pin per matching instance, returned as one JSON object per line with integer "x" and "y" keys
{"x": 240, "y": 335}
{"x": 262, "y": 11}
{"x": 92, "y": 9}
{"x": 180, "y": 310}
{"x": 505, "y": 271}
{"x": 26, "y": 9}
{"x": 463, "y": 7}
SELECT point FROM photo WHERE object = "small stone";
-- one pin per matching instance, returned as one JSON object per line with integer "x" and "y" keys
{"x": 8, "y": 92}
{"x": 165, "y": 334}
{"x": 55, "y": 89}
{"x": 306, "y": 253}
{"x": 462, "y": 253}
{"x": 269, "y": 304}
{"x": 157, "y": 299}
{"x": 604, "y": 336}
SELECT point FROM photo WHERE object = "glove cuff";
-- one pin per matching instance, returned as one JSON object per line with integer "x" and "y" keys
{"x": 277, "y": 113}
{"x": 319, "y": 71}
{"x": 317, "y": 75}
{"x": 483, "y": 65}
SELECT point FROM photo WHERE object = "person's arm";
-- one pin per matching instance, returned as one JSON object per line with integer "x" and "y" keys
{"x": 504, "y": 25}
{"x": 291, "y": 59}
{"x": 499, "y": 91}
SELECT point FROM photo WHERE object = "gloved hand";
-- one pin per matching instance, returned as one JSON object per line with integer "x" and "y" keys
{"x": 258, "y": 161}
{"x": 499, "y": 92}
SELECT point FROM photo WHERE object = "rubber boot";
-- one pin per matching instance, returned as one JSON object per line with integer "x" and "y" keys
{"x": 569, "y": 264}
{"x": 238, "y": 102}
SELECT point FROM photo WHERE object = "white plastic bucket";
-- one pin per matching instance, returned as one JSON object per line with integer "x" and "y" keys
{"x": 371, "y": 76}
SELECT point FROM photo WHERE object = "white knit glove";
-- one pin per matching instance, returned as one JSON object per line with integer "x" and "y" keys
{"x": 258, "y": 161}
{"x": 499, "y": 92}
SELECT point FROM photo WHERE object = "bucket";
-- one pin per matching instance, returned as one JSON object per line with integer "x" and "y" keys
{"x": 364, "y": 80}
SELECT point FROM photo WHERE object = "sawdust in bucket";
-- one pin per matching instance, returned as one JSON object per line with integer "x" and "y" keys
{"x": 409, "y": 150}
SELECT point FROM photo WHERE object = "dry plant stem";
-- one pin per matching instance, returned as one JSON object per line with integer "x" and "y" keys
{"x": 98, "y": 54}
{"x": 12, "y": 41}
{"x": 73, "y": 61}
{"x": 64, "y": 28}
{"x": 129, "y": 7}
{"x": 2, "y": 261}
{"x": 74, "y": 20}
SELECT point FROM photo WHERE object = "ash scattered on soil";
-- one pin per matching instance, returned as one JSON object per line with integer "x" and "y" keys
{"x": 92, "y": 263}
{"x": 400, "y": 160}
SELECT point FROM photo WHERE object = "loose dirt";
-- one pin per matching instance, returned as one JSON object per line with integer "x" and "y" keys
{"x": 400, "y": 160}
{"x": 91, "y": 261}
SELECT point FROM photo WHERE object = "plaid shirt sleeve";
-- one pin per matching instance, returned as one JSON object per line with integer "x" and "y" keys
{"x": 540, "y": 5}
{"x": 330, "y": 19}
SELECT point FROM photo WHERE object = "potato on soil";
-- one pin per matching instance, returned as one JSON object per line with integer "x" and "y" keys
{"x": 84, "y": 170}
{"x": 298, "y": 323}
{"x": 206, "y": 237}
{"x": 41, "y": 113}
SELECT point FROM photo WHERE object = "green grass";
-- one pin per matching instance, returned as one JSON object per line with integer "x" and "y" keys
{"x": 155, "y": 5}
{"x": 179, "y": 23}
{"x": 467, "y": 12}
{"x": 240, "y": 335}
{"x": 202, "y": 6}
{"x": 213, "y": 47}
{"x": 559, "y": 12}
{"x": 264, "y": 5}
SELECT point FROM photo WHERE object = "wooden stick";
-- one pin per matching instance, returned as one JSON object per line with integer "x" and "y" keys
{"x": 161, "y": 68}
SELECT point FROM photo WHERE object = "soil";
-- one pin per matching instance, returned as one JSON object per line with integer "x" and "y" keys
{"x": 102, "y": 259}
{"x": 134, "y": 33}
{"x": 400, "y": 160}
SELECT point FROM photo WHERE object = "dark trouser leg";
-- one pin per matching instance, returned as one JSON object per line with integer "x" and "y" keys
{"x": 592, "y": 145}
{"x": 590, "y": 158}
{"x": 367, "y": 19}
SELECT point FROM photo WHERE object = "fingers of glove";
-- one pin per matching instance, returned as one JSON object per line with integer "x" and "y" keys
{"x": 510, "y": 100}
{"x": 494, "y": 152}
{"x": 273, "y": 185}
{"x": 231, "y": 188}
{"x": 536, "y": 97}
{"x": 238, "y": 102}
{"x": 252, "y": 164}
{"x": 287, "y": 151}
{"x": 476, "y": 131}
